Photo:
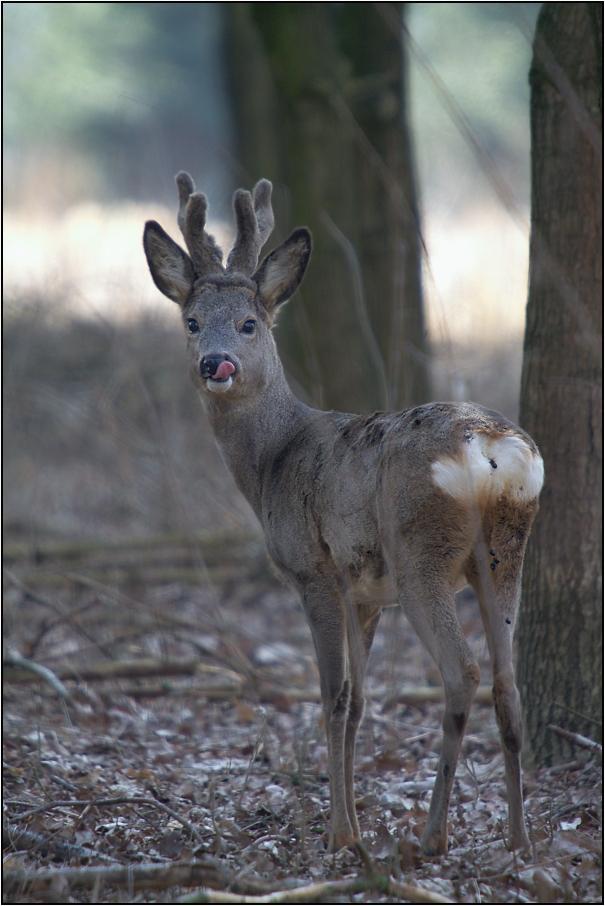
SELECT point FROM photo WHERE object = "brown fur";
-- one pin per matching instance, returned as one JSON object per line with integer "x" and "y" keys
{"x": 353, "y": 512}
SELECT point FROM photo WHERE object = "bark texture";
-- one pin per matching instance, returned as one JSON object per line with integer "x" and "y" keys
{"x": 560, "y": 630}
{"x": 319, "y": 92}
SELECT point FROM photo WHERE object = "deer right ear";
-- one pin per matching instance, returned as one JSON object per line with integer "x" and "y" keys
{"x": 281, "y": 272}
{"x": 171, "y": 269}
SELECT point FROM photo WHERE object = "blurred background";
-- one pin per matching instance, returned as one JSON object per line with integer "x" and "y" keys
{"x": 405, "y": 149}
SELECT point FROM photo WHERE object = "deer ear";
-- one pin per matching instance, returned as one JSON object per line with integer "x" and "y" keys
{"x": 281, "y": 272}
{"x": 171, "y": 269}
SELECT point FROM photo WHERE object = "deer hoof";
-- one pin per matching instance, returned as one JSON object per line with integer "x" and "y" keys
{"x": 519, "y": 841}
{"x": 434, "y": 844}
{"x": 340, "y": 839}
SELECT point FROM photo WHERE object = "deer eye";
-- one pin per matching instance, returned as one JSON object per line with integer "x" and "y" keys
{"x": 193, "y": 325}
{"x": 249, "y": 326}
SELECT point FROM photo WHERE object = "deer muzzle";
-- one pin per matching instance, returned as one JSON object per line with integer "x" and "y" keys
{"x": 217, "y": 371}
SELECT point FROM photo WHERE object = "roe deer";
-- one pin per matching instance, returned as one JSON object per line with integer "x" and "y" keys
{"x": 358, "y": 512}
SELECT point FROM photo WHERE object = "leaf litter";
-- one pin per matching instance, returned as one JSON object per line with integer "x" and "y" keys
{"x": 172, "y": 771}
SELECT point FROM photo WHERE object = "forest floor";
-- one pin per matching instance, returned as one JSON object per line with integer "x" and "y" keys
{"x": 187, "y": 750}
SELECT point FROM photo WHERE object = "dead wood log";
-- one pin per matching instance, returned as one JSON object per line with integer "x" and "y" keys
{"x": 209, "y": 873}
{"x": 213, "y": 548}
{"x": 405, "y": 695}
{"x": 238, "y": 687}
{"x": 205, "y": 872}
{"x": 419, "y": 695}
{"x": 189, "y": 559}
{"x": 143, "y": 666}
{"x": 140, "y": 574}
{"x": 234, "y": 686}
{"x": 317, "y": 893}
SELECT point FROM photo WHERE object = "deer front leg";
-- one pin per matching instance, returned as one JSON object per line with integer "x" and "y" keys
{"x": 368, "y": 617}
{"x": 325, "y": 610}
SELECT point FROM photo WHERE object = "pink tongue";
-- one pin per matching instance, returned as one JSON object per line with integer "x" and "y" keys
{"x": 223, "y": 371}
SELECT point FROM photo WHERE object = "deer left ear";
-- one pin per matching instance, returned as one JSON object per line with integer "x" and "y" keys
{"x": 281, "y": 273}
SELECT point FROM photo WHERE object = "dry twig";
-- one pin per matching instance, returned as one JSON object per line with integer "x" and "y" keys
{"x": 144, "y": 666}
{"x": 577, "y": 740}
{"x": 117, "y": 800}
{"x": 14, "y": 659}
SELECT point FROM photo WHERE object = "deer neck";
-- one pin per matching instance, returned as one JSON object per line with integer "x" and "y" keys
{"x": 251, "y": 432}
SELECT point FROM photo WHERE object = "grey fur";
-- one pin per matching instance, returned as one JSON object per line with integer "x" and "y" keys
{"x": 360, "y": 513}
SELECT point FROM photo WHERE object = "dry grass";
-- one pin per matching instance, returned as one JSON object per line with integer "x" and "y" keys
{"x": 104, "y": 434}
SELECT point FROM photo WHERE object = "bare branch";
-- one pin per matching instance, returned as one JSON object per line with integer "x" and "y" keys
{"x": 16, "y": 660}
{"x": 576, "y": 739}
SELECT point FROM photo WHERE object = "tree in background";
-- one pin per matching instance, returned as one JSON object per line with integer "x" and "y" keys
{"x": 560, "y": 630}
{"x": 320, "y": 101}
{"x": 102, "y": 97}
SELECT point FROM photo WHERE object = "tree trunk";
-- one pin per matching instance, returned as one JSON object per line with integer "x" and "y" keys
{"x": 560, "y": 630}
{"x": 320, "y": 107}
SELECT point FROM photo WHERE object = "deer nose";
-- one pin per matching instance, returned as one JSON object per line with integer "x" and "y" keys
{"x": 219, "y": 367}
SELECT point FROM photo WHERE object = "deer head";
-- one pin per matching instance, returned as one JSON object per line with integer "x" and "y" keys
{"x": 228, "y": 310}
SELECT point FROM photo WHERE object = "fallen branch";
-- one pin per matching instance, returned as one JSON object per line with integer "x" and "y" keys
{"x": 406, "y": 695}
{"x": 213, "y": 548}
{"x": 317, "y": 893}
{"x": 144, "y": 666}
{"x": 116, "y": 800}
{"x": 148, "y": 877}
{"x": 578, "y": 764}
{"x": 44, "y": 602}
{"x": 576, "y": 739}
{"x": 415, "y": 894}
{"x": 235, "y": 687}
{"x": 419, "y": 695}
{"x": 579, "y": 714}
{"x": 18, "y": 839}
{"x": 161, "y": 559}
{"x": 236, "y": 657}
{"x": 161, "y": 575}
{"x": 563, "y": 859}
{"x": 14, "y": 659}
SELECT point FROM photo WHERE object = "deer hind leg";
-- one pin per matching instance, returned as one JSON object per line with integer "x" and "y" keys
{"x": 368, "y": 617}
{"x": 326, "y": 614}
{"x": 431, "y": 610}
{"x": 495, "y": 574}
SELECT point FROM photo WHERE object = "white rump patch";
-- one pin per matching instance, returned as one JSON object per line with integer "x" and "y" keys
{"x": 490, "y": 466}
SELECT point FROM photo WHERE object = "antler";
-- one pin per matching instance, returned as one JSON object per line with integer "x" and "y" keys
{"x": 206, "y": 255}
{"x": 254, "y": 219}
